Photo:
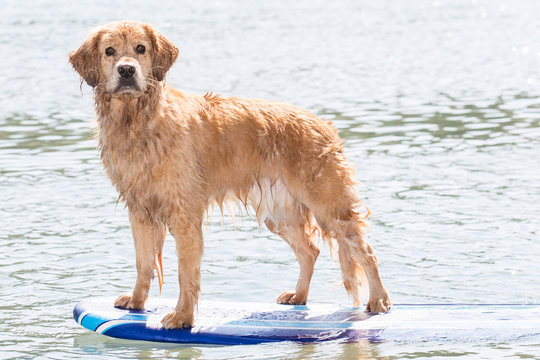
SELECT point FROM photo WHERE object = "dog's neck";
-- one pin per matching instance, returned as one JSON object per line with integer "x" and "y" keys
{"x": 125, "y": 109}
{"x": 122, "y": 120}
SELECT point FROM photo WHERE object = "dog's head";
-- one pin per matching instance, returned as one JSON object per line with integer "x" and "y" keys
{"x": 124, "y": 58}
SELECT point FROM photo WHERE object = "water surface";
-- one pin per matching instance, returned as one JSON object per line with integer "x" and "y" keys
{"x": 438, "y": 103}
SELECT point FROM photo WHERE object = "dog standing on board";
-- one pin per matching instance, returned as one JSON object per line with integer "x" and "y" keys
{"x": 171, "y": 154}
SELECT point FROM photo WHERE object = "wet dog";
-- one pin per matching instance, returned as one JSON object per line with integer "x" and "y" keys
{"x": 171, "y": 154}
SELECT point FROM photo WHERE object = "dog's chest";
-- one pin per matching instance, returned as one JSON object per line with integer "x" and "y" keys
{"x": 132, "y": 162}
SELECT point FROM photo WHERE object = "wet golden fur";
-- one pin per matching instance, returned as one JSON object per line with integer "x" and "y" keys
{"x": 171, "y": 154}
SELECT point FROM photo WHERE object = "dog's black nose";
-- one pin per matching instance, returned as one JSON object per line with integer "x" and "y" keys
{"x": 126, "y": 71}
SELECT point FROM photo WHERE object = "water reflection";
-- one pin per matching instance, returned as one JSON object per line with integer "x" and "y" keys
{"x": 52, "y": 132}
{"x": 97, "y": 345}
{"x": 451, "y": 122}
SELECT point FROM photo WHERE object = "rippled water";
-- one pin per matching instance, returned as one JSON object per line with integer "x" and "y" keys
{"x": 439, "y": 105}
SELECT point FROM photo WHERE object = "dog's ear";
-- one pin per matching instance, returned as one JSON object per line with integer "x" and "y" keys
{"x": 85, "y": 60}
{"x": 164, "y": 53}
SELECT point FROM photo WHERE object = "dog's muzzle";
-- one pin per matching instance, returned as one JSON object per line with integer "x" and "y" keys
{"x": 127, "y": 77}
{"x": 126, "y": 71}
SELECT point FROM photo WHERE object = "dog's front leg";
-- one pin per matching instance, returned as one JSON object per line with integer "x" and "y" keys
{"x": 148, "y": 237}
{"x": 189, "y": 248}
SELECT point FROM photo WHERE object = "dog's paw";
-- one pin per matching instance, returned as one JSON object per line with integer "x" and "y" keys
{"x": 290, "y": 298}
{"x": 126, "y": 301}
{"x": 177, "y": 320}
{"x": 379, "y": 304}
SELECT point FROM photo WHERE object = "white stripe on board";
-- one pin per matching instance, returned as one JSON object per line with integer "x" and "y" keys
{"x": 81, "y": 316}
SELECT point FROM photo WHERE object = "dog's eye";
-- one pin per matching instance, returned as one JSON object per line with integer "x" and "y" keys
{"x": 109, "y": 51}
{"x": 140, "y": 49}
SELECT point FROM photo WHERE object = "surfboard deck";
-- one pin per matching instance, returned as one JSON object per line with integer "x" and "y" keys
{"x": 230, "y": 323}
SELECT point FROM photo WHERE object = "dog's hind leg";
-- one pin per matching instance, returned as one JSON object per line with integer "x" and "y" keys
{"x": 146, "y": 236}
{"x": 353, "y": 274}
{"x": 296, "y": 230}
{"x": 356, "y": 257}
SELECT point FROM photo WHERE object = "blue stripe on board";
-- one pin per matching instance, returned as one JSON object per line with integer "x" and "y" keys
{"x": 225, "y": 335}
{"x": 135, "y": 317}
{"x": 92, "y": 321}
{"x": 117, "y": 322}
{"x": 139, "y": 331}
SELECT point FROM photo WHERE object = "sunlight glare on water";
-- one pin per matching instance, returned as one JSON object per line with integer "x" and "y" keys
{"x": 439, "y": 106}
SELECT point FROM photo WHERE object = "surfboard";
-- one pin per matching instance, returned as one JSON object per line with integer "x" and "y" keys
{"x": 232, "y": 323}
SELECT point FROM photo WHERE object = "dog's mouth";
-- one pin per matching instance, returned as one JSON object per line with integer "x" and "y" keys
{"x": 127, "y": 85}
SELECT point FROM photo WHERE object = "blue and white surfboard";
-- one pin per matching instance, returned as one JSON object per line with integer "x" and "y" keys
{"x": 248, "y": 323}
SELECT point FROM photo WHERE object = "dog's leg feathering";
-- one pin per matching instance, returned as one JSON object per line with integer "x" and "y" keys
{"x": 356, "y": 257}
{"x": 158, "y": 266}
{"x": 146, "y": 235}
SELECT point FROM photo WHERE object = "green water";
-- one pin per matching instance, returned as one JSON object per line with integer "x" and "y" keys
{"x": 439, "y": 105}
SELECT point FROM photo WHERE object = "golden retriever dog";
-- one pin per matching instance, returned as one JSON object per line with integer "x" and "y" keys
{"x": 171, "y": 155}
